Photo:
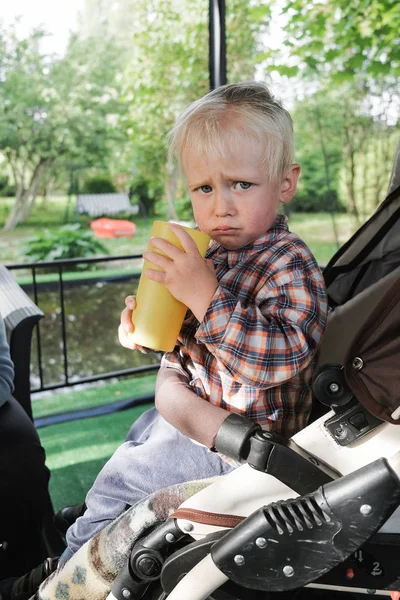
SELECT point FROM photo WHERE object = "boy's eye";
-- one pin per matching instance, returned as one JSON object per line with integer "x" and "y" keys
{"x": 242, "y": 185}
{"x": 205, "y": 189}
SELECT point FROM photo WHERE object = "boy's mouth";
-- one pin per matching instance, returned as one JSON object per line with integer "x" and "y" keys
{"x": 225, "y": 229}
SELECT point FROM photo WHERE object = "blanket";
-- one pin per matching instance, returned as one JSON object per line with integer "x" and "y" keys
{"x": 90, "y": 573}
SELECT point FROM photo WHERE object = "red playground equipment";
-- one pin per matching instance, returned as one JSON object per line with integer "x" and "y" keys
{"x": 110, "y": 228}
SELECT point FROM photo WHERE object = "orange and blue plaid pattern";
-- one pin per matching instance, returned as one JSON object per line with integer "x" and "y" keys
{"x": 254, "y": 352}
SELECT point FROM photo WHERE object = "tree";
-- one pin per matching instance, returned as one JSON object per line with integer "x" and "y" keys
{"x": 53, "y": 110}
{"x": 318, "y": 123}
{"x": 344, "y": 56}
{"x": 166, "y": 67}
{"x": 346, "y": 147}
{"x": 345, "y": 37}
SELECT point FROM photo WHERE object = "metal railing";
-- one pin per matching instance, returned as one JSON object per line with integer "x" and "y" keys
{"x": 61, "y": 267}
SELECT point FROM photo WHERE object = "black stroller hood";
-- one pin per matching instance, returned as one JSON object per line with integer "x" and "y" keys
{"x": 363, "y": 284}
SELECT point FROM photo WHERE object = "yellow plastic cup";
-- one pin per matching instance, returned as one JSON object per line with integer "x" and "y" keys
{"x": 158, "y": 316}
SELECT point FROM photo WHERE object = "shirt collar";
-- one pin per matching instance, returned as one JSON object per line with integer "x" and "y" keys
{"x": 219, "y": 254}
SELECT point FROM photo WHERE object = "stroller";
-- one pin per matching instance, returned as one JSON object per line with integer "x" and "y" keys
{"x": 317, "y": 515}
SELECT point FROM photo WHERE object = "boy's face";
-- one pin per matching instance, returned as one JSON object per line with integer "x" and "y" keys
{"x": 233, "y": 200}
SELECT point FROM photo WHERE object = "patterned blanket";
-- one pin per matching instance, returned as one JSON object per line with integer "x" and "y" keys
{"x": 90, "y": 573}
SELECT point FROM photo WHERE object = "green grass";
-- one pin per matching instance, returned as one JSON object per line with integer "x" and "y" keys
{"x": 51, "y": 215}
{"x": 76, "y": 452}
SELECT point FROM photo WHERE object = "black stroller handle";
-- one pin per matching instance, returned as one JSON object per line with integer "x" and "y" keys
{"x": 289, "y": 544}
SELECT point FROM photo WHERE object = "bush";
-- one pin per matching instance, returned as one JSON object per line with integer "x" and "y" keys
{"x": 146, "y": 194}
{"x": 6, "y": 188}
{"x": 70, "y": 241}
{"x": 98, "y": 185}
{"x": 316, "y": 202}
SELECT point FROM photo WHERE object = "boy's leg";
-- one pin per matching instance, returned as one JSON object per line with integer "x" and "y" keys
{"x": 159, "y": 456}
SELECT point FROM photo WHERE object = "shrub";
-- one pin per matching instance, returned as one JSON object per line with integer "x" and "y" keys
{"x": 6, "y": 188}
{"x": 146, "y": 193}
{"x": 304, "y": 201}
{"x": 98, "y": 185}
{"x": 70, "y": 241}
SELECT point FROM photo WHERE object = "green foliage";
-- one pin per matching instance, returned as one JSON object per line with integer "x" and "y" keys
{"x": 312, "y": 201}
{"x": 318, "y": 125}
{"x": 98, "y": 185}
{"x": 146, "y": 193}
{"x": 344, "y": 37}
{"x": 6, "y": 188}
{"x": 55, "y": 112}
{"x": 70, "y": 241}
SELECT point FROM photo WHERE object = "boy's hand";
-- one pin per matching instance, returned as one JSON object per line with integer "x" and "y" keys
{"x": 126, "y": 327}
{"x": 189, "y": 277}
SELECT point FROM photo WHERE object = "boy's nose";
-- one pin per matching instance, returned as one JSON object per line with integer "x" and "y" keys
{"x": 223, "y": 204}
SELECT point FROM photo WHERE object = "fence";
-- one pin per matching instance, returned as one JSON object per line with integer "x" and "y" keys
{"x": 61, "y": 267}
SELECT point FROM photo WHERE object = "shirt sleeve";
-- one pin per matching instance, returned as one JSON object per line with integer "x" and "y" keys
{"x": 268, "y": 341}
{"x": 6, "y": 366}
{"x": 171, "y": 360}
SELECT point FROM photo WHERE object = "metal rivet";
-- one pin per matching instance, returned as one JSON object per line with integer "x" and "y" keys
{"x": 366, "y": 510}
{"x": 288, "y": 571}
{"x": 170, "y": 538}
{"x": 334, "y": 388}
{"x": 188, "y": 526}
{"x": 340, "y": 432}
{"x": 261, "y": 542}
{"x": 126, "y": 593}
{"x": 357, "y": 363}
{"x": 239, "y": 559}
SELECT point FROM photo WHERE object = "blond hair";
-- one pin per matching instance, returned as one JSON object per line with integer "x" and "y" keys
{"x": 225, "y": 115}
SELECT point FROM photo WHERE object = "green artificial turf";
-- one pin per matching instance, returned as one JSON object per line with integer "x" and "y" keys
{"x": 96, "y": 394}
{"x": 76, "y": 451}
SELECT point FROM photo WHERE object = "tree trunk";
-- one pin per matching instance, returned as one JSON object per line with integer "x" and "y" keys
{"x": 351, "y": 173}
{"x": 25, "y": 197}
{"x": 14, "y": 216}
{"x": 170, "y": 191}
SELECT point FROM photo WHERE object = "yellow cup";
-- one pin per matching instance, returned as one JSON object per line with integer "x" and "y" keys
{"x": 158, "y": 316}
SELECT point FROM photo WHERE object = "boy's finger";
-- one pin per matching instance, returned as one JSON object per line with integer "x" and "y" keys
{"x": 130, "y": 302}
{"x": 168, "y": 249}
{"x": 125, "y": 339}
{"x": 157, "y": 260}
{"x": 126, "y": 320}
{"x": 188, "y": 243}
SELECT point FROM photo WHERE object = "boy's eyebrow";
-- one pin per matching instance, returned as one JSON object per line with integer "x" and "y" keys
{"x": 239, "y": 177}
{"x": 196, "y": 184}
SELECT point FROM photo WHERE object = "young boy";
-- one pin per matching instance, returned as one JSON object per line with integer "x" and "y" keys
{"x": 257, "y": 305}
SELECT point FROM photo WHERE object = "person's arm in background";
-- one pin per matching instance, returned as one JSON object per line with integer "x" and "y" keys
{"x": 6, "y": 365}
{"x": 184, "y": 409}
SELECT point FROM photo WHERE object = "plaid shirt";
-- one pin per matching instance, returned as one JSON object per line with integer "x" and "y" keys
{"x": 255, "y": 350}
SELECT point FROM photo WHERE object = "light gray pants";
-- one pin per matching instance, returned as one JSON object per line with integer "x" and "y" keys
{"x": 155, "y": 455}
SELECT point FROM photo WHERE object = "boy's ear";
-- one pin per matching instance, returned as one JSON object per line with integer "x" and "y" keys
{"x": 289, "y": 183}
